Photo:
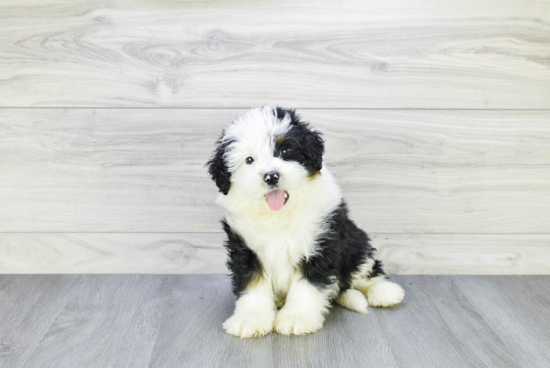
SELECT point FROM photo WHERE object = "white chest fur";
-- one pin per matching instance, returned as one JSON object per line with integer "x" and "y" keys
{"x": 282, "y": 239}
{"x": 282, "y": 248}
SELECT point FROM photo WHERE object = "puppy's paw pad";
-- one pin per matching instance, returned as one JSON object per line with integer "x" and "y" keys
{"x": 247, "y": 327}
{"x": 296, "y": 324}
{"x": 385, "y": 294}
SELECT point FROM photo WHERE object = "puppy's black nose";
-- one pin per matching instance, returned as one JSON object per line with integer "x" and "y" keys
{"x": 271, "y": 177}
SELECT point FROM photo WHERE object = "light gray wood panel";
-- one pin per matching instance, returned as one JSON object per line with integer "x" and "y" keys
{"x": 29, "y": 305}
{"x": 337, "y": 345}
{"x": 155, "y": 253}
{"x": 184, "y": 253}
{"x": 462, "y": 319}
{"x": 412, "y": 171}
{"x": 436, "y": 327}
{"x": 112, "y": 322}
{"x": 167, "y": 321}
{"x": 306, "y": 53}
{"x": 456, "y": 254}
{"x": 191, "y": 334}
{"x": 521, "y": 322}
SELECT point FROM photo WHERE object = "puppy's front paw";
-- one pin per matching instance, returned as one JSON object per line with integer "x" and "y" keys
{"x": 288, "y": 322}
{"x": 249, "y": 326}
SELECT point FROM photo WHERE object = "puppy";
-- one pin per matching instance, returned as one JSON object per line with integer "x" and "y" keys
{"x": 292, "y": 248}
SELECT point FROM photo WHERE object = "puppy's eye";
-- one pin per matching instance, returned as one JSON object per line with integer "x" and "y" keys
{"x": 249, "y": 160}
{"x": 284, "y": 152}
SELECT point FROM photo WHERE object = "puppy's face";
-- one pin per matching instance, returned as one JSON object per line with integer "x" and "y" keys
{"x": 264, "y": 157}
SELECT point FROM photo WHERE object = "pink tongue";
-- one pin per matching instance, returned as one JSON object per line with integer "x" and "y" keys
{"x": 276, "y": 199}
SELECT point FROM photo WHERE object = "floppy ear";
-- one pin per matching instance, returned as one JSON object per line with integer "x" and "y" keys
{"x": 309, "y": 138}
{"x": 315, "y": 147}
{"x": 218, "y": 169}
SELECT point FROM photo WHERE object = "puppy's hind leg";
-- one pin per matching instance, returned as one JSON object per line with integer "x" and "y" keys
{"x": 384, "y": 293}
{"x": 375, "y": 286}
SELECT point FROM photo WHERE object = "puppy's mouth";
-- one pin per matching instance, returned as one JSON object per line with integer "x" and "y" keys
{"x": 276, "y": 199}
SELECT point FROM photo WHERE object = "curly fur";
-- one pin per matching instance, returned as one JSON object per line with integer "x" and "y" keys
{"x": 289, "y": 263}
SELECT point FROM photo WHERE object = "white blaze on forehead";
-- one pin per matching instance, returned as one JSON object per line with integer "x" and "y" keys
{"x": 253, "y": 133}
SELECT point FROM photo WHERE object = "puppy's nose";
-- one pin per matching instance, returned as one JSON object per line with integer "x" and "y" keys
{"x": 271, "y": 178}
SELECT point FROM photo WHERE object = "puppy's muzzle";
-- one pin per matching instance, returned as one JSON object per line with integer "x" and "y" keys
{"x": 271, "y": 178}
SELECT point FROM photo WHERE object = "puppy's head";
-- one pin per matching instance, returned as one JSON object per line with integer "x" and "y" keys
{"x": 265, "y": 156}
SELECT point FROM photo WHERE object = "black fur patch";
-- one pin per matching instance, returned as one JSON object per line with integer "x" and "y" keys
{"x": 341, "y": 251}
{"x": 242, "y": 262}
{"x": 304, "y": 144}
{"x": 218, "y": 169}
{"x": 281, "y": 113}
{"x": 377, "y": 269}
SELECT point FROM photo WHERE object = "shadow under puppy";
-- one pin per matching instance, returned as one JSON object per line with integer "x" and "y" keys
{"x": 291, "y": 245}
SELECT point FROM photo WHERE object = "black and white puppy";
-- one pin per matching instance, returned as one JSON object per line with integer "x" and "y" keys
{"x": 292, "y": 247}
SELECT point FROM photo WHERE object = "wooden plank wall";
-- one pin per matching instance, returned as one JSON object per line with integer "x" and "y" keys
{"x": 436, "y": 116}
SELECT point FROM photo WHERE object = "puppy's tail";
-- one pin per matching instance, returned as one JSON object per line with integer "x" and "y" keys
{"x": 354, "y": 300}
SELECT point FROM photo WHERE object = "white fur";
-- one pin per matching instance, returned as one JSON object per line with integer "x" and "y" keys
{"x": 281, "y": 239}
{"x": 254, "y": 313}
{"x": 385, "y": 294}
{"x": 354, "y": 300}
{"x": 304, "y": 310}
{"x": 378, "y": 290}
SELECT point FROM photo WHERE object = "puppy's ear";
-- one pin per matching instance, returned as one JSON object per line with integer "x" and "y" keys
{"x": 315, "y": 147}
{"x": 218, "y": 169}
{"x": 311, "y": 140}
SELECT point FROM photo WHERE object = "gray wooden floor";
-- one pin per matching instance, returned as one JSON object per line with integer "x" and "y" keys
{"x": 175, "y": 321}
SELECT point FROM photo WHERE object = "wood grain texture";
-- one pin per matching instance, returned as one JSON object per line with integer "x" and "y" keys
{"x": 191, "y": 334}
{"x": 200, "y": 253}
{"x": 458, "y": 254}
{"x": 307, "y": 53}
{"x": 155, "y": 253}
{"x": 167, "y": 320}
{"x": 411, "y": 171}
{"x": 521, "y": 322}
{"x": 117, "y": 320}
{"x": 333, "y": 347}
{"x": 437, "y": 327}
{"x": 29, "y": 306}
